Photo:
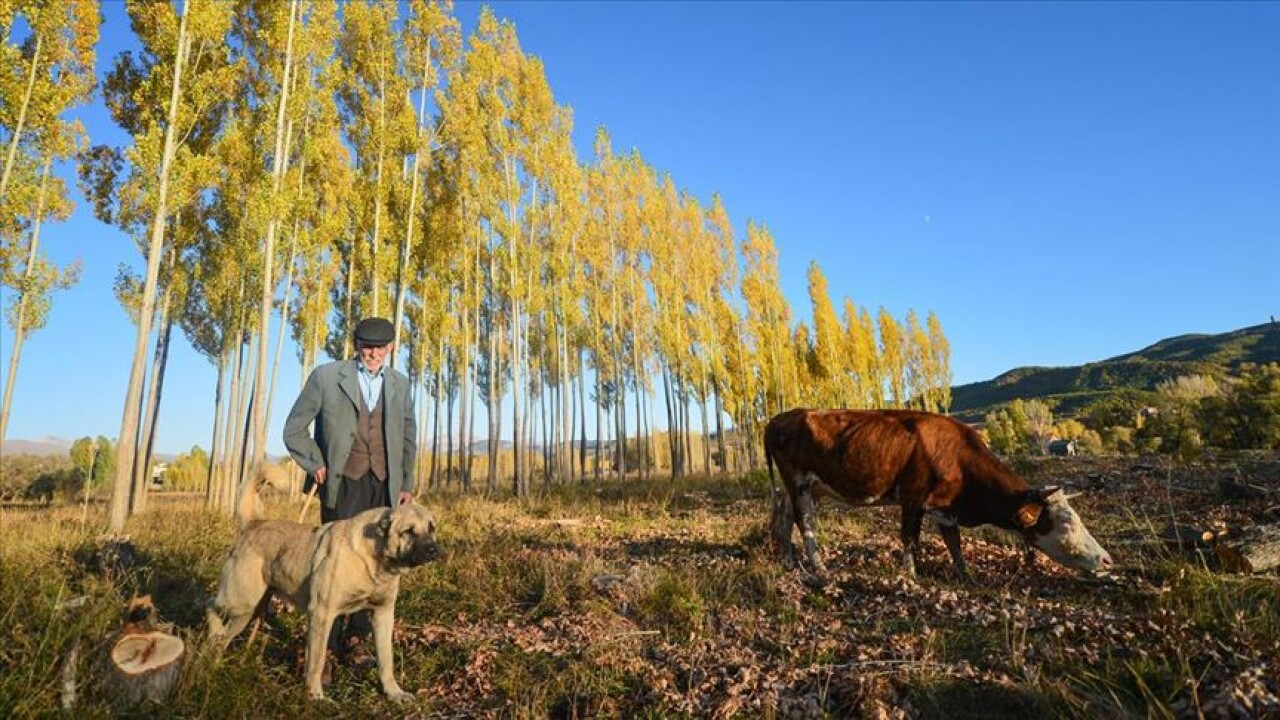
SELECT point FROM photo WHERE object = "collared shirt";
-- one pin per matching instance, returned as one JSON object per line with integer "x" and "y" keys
{"x": 370, "y": 384}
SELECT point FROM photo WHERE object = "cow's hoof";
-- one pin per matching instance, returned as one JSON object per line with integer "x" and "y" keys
{"x": 814, "y": 580}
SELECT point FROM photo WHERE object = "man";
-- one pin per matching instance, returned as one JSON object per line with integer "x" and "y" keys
{"x": 363, "y": 450}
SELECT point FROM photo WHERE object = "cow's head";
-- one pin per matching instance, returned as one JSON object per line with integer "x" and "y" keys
{"x": 1049, "y": 522}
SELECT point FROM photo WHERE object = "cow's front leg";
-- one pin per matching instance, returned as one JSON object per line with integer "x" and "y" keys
{"x": 384, "y": 619}
{"x": 806, "y": 520}
{"x": 912, "y": 519}
{"x": 1028, "y": 557}
{"x": 951, "y": 536}
{"x": 781, "y": 520}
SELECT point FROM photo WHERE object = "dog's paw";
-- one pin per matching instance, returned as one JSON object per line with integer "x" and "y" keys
{"x": 318, "y": 696}
{"x": 399, "y": 696}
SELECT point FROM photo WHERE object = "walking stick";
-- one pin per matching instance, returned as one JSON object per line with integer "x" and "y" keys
{"x": 306, "y": 504}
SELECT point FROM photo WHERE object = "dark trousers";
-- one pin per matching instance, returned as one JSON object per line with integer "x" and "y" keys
{"x": 355, "y": 495}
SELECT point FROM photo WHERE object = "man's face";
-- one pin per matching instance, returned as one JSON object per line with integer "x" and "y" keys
{"x": 372, "y": 356}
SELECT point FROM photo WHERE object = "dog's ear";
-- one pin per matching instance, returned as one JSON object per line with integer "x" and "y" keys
{"x": 384, "y": 524}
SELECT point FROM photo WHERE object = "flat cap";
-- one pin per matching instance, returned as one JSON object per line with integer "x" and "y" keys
{"x": 375, "y": 331}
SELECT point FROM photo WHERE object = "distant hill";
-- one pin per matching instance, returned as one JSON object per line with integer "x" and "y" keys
{"x": 1078, "y": 386}
{"x": 43, "y": 447}
{"x": 50, "y": 446}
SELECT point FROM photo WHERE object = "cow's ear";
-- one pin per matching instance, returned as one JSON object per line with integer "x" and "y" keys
{"x": 1029, "y": 514}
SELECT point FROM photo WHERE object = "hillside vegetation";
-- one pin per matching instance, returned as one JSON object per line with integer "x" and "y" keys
{"x": 1073, "y": 388}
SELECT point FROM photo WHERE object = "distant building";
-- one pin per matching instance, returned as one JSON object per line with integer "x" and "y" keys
{"x": 1062, "y": 448}
{"x": 157, "y": 474}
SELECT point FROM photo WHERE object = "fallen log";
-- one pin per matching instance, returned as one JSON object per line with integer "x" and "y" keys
{"x": 1236, "y": 490}
{"x": 1255, "y": 550}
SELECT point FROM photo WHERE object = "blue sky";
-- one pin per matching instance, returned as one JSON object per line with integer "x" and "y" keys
{"x": 1060, "y": 183}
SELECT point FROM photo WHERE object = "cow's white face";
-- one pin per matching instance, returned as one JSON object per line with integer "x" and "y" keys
{"x": 1053, "y": 526}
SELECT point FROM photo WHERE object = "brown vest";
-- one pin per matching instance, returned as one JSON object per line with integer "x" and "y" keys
{"x": 369, "y": 451}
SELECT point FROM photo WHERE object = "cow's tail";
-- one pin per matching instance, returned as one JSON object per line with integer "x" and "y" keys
{"x": 768, "y": 461}
{"x": 768, "y": 455}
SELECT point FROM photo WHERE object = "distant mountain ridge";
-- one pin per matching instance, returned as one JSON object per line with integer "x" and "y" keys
{"x": 1075, "y": 386}
{"x": 48, "y": 445}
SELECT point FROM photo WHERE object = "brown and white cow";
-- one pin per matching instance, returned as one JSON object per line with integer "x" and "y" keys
{"x": 926, "y": 463}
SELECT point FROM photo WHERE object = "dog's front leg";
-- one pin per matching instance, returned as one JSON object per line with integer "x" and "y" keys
{"x": 320, "y": 624}
{"x": 384, "y": 620}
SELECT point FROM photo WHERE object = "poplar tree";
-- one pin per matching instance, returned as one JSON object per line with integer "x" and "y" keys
{"x": 380, "y": 127}
{"x": 831, "y": 364}
{"x": 860, "y": 349}
{"x": 919, "y": 377}
{"x": 893, "y": 359}
{"x": 939, "y": 363}
{"x": 769, "y": 319}
{"x": 270, "y": 33}
{"x": 43, "y": 77}
{"x": 432, "y": 45}
{"x": 183, "y": 66}
{"x": 724, "y": 336}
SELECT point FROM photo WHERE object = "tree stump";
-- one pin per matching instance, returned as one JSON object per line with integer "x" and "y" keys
{"x": 144, "y": 660}
{"x": 144, "y": 667}
{"x": 1255, "y": 550}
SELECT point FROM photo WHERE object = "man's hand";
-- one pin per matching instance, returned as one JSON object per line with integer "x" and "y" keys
{"x": 405, "y": 498}
{"x": 320, "y": 474}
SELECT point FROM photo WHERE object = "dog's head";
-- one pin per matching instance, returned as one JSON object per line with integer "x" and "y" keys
{"x": 409, "y": 536}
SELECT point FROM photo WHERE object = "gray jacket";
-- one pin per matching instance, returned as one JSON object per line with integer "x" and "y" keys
{"x": 329, "y": 398}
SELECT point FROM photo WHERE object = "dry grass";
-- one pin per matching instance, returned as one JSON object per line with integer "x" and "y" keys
{"x": 661, "y": 599}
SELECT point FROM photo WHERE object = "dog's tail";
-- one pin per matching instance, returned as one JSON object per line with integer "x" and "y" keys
{"x": 265, "y": 473}
{"x": 247, "y": 510}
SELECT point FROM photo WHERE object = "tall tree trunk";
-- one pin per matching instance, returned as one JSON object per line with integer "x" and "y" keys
{"x": 642, "y": 462}
{"x": 146, "y": 434}
{"x": 438, "y": 388}
{"x": 569, "y": 420}
{"x": 127, "y": 447}
{"x": 215, "y": 443}
{"x": 467, "y": 454}
{"x": 377, "y": 183}
{"x": 20, "y": 316}
{"x": 279, "y": 164}
{"x": 21, "y": 125}
{"x": 720, "y": 444}
{"x": 284, "y": 326}
{"x": 407, "y": 242}
{"x": 450, "y": 399}
{"x": 672, "y": 427}
{"x": 518, "y": 479}
{"x": 582, "y": 416}
{"x": 235, "y": 418}
{"x": 647, "y": 433}
{"x": 706, "y": 434}
{"x": 685, "y": 425}
{"x": 599, "y": 423}
{"x": 491, "y": 477}
{"x": 620, "y": 425}
{"x": 348, "y": 346}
